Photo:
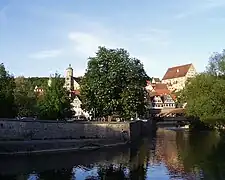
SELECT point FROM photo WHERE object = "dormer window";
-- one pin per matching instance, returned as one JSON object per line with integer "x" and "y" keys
{"x": 178, "y": 70}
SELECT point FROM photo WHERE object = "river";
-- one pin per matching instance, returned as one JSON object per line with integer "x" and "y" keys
{"x": 168, "y": 154}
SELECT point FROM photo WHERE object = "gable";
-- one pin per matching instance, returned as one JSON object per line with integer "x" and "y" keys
{"x": 177, "y": 71}
{"x": 167, "y": 99}
{"x": 157, "y": 99}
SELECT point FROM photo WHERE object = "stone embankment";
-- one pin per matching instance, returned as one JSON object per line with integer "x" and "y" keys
{"x": 35, "y": 136}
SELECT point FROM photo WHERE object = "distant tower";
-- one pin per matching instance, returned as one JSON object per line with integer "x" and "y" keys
{"x": 69, "y": 78}
{"x": 50, "y": 81}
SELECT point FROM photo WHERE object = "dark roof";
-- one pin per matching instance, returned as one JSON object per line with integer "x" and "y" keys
{"x": 156, "y": 79}
{"x": 77, "y": 79}
{"x": 177, "y": 71}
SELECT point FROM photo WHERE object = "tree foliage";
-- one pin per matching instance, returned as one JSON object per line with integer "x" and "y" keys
{"x": 25, "y": 98}
{"x": 114, "y": 84}
{"x": 55, "y": 102}
{"x": 205, "y": 94}
{"x": 216, "y": 65}
{"x": 7, "y": 85}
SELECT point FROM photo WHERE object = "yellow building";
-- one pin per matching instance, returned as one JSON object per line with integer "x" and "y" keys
{"x": 176, "y": 77}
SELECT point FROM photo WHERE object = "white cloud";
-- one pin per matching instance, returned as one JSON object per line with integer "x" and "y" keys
{"x": 84, "y": 35}
{"x": 86, "y": 44}
{"x": 46, "y": 54}
{"x": 138, "y": 44}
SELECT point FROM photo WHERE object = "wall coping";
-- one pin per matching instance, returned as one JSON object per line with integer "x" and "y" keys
{"x": 63, "y": 121}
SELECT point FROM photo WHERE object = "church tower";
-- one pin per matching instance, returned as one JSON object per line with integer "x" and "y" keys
{"x": 69, "y": 78}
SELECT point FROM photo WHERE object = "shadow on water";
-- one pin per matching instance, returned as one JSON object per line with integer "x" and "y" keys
{"x": 165, "y": 155}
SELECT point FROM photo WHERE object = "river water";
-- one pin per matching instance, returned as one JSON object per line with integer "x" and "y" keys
{"x": 168, "y": 154}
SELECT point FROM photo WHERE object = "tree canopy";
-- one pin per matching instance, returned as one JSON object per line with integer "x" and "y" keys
{"x": 25, "y": 98}
{"x": 114, "y": 84}
{"x": 205, "y": 94}
{"x": 55, "y": 102}
{"x": 7, "y": 85}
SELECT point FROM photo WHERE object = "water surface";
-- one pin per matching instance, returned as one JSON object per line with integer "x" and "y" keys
{"x": 168, "y": 154}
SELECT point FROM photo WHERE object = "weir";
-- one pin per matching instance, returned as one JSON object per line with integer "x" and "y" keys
{"x": 43, "y": 136}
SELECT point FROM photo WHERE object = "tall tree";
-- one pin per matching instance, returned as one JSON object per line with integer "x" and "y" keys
{"x": 7, "y": 85}
{"x": 205, "y": 98}
{"x": 205, "y": 93}
{"x": 25, "y": 98}
{"x": 114, "y": 84}
{"x": 55, "y": 102}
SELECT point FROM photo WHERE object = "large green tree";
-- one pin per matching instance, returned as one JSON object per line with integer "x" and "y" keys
{"x": 25, "y": 98}
{"x": 205, "y": 94}
{"x": 7, "y": 85}
{"x": 114, "y": 84}
{"x": 55, "y": 102}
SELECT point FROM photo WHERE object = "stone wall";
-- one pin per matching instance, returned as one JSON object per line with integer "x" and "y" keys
{"x": 42, "y": 130}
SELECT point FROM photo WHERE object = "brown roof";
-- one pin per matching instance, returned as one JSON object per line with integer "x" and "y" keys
{"x": 176, "y": 72}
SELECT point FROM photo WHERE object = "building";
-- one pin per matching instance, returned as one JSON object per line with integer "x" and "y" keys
{"x": 155, "y": 80}
{"x": 157, "y": 89}
{"x": 176, "y": 77}
{"x": 162, "y": 102}
{"x": 38, "y": 90}
{"x": 156, "y": 102}
{"x": 72, "y": 85}
{"x": 168, "y": 101}
{"x": 159, "y": 96}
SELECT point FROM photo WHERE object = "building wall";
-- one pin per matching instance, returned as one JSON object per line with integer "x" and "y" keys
{"x": 191, "y": 73}
{"x": 76, "y": 85}
{"x": 175, "y": 83}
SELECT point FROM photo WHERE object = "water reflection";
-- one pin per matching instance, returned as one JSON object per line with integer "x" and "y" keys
{"x": 167, "y": 155}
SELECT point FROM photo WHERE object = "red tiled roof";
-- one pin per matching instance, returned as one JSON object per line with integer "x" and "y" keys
{"x": 162, "y": 91}
{"x": 159, "y": 89}
{"x": 176, "y": 72}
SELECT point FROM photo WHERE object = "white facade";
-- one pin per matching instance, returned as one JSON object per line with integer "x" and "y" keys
{"x": 76, "y": 106}
{"x": 168, "y": 102}
{"x": 157, "y": 103}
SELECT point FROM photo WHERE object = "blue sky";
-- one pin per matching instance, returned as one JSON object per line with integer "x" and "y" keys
{"x": 40, "y": 37}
